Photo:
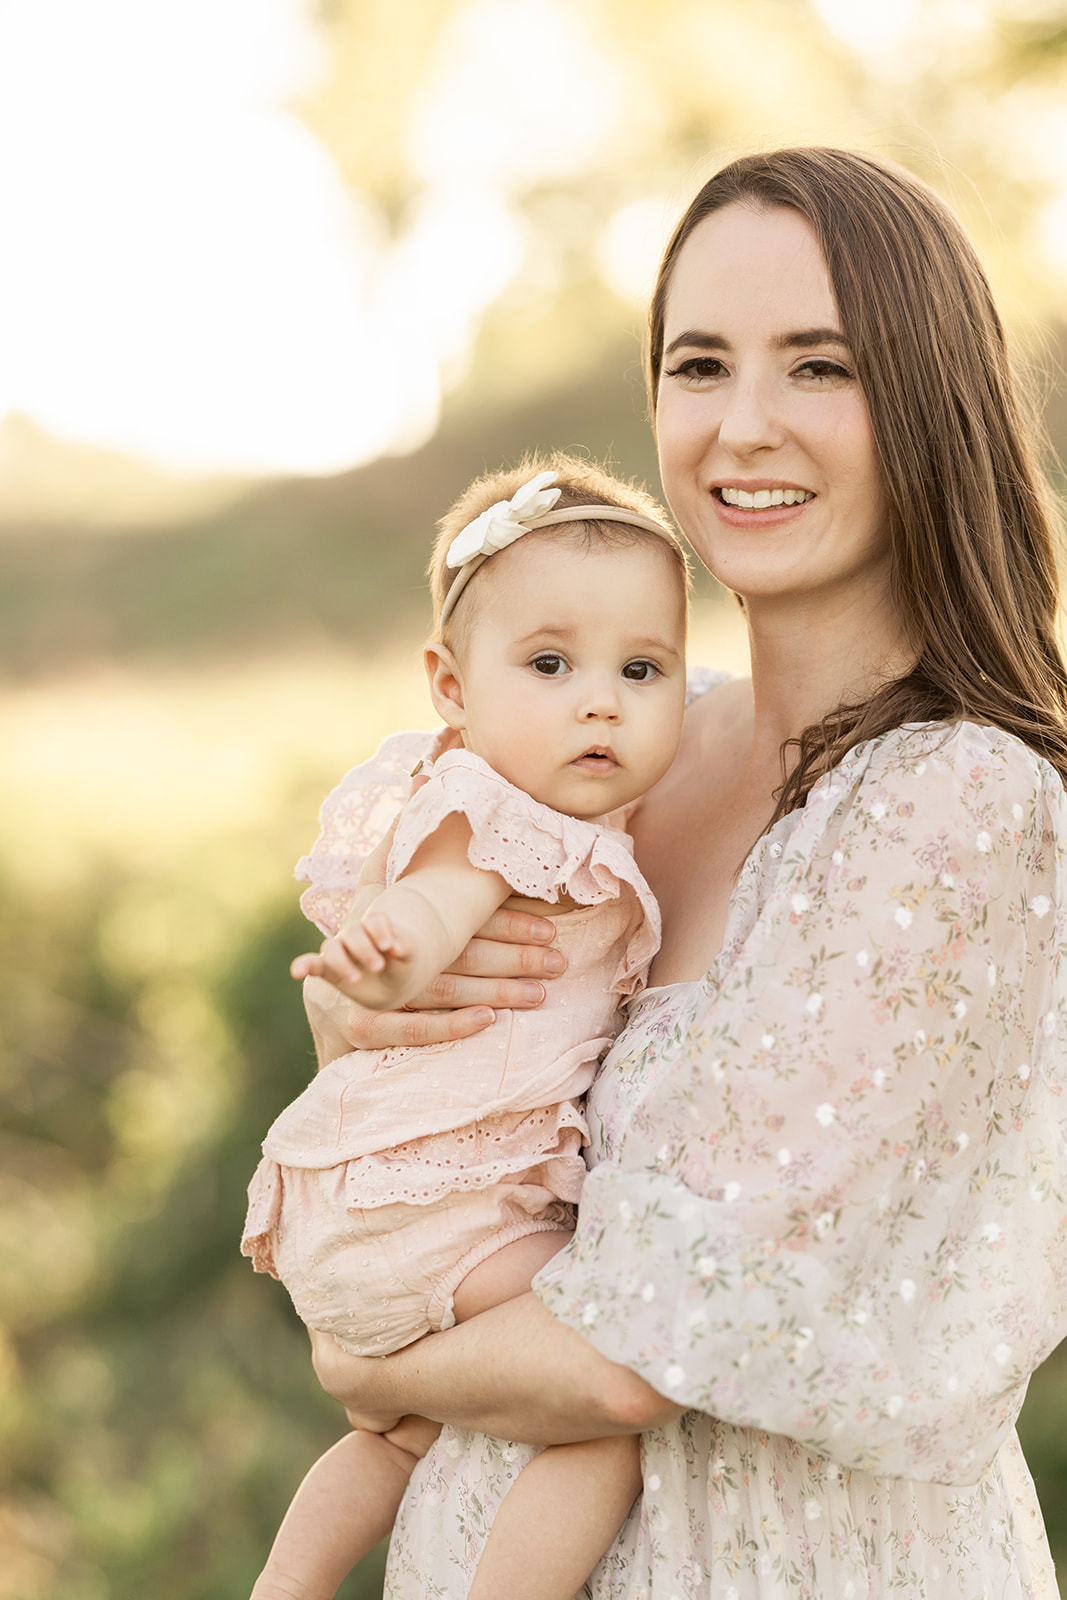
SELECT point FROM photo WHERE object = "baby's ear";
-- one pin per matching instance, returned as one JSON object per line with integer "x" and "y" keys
{"x": 446, "y": 685}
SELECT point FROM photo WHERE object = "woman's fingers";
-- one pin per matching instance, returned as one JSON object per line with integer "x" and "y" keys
{"x": 518, "y": 927}
{"x": 490, "y": 958}
{"x": 340, "y": 1025}
{"x": 399, "y": 1030}
{"x": 505, "y": 968}
{"x": 454, "y": 989}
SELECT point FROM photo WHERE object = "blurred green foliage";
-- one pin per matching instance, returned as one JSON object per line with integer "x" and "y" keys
{"x": 160, "y": 1406}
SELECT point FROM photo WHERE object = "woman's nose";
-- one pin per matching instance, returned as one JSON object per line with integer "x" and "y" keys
{"x": 749, "y": 422}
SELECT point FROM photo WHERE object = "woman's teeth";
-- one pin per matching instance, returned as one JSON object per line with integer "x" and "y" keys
{"x": 760, "y": 499}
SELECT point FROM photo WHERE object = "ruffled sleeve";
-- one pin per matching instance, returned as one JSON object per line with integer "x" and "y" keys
{"x": 839, "y": 1213}
{"x": 354, "y": 818}
{"x": 540, "y": 853}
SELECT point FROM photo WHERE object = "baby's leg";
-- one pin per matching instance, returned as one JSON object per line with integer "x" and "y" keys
{"x": 567, "y": 1506}
{"x": 508, "y": 1272}
{"x": 558, "y": 1519}
{"x": 345, "y": 1505}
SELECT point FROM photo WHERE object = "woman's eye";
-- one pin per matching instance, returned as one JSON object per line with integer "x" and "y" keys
{"x": 549, "y": 666}
{"x": 640, "y": 671}
{"x": 696, "y": 368}
{"x": 822, "y": 367}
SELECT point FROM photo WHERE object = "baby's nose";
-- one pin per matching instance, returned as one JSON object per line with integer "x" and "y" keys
{"x": 601, "y": 704}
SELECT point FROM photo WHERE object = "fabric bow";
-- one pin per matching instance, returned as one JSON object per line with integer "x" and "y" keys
{"x": 505, "y": 522}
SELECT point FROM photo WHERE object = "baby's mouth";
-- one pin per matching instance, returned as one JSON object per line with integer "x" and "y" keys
{"x": 596, "y": 759}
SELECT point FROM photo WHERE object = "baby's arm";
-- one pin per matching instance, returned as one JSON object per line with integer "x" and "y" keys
{"x": 386, "y": 952}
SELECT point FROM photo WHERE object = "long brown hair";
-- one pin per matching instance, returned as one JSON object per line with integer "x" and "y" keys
{"x": 971, "y": 513}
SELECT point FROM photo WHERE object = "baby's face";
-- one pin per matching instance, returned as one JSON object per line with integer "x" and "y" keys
{"x": 573, "y": 671}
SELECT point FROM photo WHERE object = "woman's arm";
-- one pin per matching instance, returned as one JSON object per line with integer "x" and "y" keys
{"x": 843, "y": 1204}
{"x": 514, "y": 1372}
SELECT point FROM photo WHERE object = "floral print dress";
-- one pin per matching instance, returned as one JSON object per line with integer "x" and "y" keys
{"x": 826, "y": 1210}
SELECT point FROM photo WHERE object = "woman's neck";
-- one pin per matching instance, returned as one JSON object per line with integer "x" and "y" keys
{"x": 809, "y": 659}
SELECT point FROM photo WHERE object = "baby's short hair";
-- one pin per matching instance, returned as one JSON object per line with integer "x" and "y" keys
{"x": 581, "y": 483}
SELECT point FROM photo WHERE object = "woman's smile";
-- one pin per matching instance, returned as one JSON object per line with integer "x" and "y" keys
{"x": 759, "y": 504}
{"x": 758, "y": 499}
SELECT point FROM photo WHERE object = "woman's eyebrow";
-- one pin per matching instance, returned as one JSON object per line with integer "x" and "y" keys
{"x": 698, "y": 339}
{"x": 807, "y": 336}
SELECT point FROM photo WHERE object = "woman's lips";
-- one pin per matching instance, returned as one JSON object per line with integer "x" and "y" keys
{"x": 760, "y": 507}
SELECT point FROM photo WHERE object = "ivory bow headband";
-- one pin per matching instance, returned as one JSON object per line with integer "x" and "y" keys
{"x": 529, "y": 507}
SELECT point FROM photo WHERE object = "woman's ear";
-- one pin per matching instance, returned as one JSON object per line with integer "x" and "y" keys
{"x": 446, "y": 685}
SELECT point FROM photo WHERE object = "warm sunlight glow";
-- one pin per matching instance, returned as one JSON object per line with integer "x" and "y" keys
{"x": 902, "y": 39}
{"x": 631, "y": 245}
{"x": 185, "y": 276}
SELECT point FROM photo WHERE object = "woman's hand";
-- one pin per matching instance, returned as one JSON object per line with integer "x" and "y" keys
{"x": 513, "y": 1371}
{"x": 353, "y": 1380}
{"x": 506, "y": 965}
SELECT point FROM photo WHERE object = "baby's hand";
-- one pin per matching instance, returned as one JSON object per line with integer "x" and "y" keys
{"x": 372, "y": 958}
{"x": 360, "y": 950}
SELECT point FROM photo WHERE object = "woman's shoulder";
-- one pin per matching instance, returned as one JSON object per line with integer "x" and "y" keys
{"x": 972, "y": 756}
{"x": 979, "y": 790}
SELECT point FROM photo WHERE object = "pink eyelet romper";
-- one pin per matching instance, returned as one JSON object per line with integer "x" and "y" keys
{"x": 397, "y": 1171}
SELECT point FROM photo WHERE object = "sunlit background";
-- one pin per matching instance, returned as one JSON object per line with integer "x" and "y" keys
{"x": 276, "y": 279}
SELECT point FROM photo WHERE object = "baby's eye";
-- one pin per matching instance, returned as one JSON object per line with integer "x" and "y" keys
{"x": 640, "y": 671}
{"x": 549, "y": 665}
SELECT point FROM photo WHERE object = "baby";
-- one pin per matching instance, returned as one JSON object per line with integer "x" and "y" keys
{"x": 407, "y": 1190}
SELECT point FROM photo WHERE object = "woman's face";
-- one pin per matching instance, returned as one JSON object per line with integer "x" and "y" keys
{"x": 765, "y": 444}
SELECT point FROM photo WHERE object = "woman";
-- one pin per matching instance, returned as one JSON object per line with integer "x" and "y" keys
{"x": 826, "y": 1216}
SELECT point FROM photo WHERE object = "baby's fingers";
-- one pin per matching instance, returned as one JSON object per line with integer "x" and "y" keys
{"x": 335, "y": 963}
{"x": 382, "y": 936}
{"x": 309, "y": 965}
{"x": 361, "y": 948}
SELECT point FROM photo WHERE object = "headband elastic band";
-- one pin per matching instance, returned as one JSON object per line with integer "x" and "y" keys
{"x": 508, "y": 520}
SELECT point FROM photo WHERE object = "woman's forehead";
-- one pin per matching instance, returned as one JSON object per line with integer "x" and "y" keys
{"x": 761, "y": 267}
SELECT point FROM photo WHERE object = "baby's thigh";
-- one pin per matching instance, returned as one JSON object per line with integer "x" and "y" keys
{"x": 453, "y": 1246}
{"x": 508, "y": 1272}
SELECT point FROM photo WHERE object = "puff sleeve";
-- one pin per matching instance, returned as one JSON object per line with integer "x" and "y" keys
{"x": 838, "y": 1214}
{"x": 353, "y": 818}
